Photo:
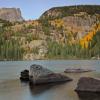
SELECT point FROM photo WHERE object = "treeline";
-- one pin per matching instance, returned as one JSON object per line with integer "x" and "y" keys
{"x": 5, "y": 23}
{"x": 95, "y": 45}
{"x": 67, "y": 51}
{"x": 10, "y": 50}
{"x": 75, "y": 51}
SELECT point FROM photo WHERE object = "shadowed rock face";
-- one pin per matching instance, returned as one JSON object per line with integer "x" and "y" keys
{"x": 11, "y": 14}
{"x": 25, "y": 75}
{"x": 87, "y": 84}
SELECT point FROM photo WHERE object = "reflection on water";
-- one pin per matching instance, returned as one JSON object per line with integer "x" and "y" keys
{"x": 89, "y": 96}
{"x": 36, "y": 90}
{"x": 11, "y": 88}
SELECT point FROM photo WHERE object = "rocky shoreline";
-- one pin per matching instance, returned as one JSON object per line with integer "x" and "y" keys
{"x": 38, "y": 75}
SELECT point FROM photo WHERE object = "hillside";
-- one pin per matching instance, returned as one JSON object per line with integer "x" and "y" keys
{"x": 70, "y": 32}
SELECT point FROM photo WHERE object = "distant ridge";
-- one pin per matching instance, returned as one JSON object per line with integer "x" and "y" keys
{"x": 70, "y": 11}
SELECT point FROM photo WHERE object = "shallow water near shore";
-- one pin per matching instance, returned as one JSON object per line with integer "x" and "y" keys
{"x": 11, "y": 88}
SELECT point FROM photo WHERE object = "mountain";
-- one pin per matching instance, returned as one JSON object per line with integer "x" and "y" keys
{"x": 11, "y": 14}
{"x": 70, "y": 32}
{"x": 60, "y": 12}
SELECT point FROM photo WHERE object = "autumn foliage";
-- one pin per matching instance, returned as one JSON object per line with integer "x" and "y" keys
{"x": 88, "y": 37}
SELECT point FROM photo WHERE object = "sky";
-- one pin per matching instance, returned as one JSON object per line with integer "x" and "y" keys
{"x": 33, "y": 9}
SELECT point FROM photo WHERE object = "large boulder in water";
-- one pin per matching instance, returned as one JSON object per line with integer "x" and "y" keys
{"x": 87, "y": 84}
{"x": 40, "y": 75}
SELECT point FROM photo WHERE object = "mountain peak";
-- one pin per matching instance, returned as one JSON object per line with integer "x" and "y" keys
{"x": 11, "y": 14}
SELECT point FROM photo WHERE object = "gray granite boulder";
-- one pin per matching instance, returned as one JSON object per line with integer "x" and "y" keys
{"x": 40, "y": 75}
{"x": 87, "y": 84}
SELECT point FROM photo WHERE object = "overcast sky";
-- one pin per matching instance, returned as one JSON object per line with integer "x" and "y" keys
{"x": 32, "y": 9}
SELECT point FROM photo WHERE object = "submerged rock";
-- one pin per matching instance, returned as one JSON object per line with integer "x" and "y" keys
{"x": 79, "y": 70}
{"x": 40, "y": 75}
{"x": 87, "y": 84}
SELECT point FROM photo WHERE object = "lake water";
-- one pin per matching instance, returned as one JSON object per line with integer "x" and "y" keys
{"x": 11, "y": 88}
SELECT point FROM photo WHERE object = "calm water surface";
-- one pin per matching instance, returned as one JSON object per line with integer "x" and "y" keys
{"x": 11, "y": 88}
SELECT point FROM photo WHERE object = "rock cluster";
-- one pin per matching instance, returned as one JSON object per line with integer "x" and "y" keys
{"x": 40, "y": 75}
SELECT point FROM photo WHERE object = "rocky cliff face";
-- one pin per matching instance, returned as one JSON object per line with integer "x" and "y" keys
{"x": 11, "y": 14}
{"x": 79, "y": 25}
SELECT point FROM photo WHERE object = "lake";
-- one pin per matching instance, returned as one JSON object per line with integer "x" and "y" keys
{"x": 11, "y": 88}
